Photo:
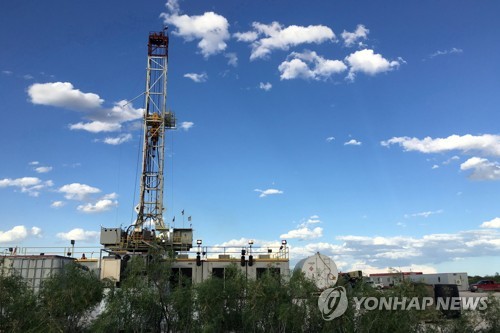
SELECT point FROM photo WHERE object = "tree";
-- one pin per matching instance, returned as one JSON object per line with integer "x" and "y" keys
{"x": 18, "y": 306}
{"x": 68, "y": 298}
{"x": 142, "y": 302}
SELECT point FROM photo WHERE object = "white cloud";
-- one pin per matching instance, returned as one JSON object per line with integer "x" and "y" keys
{"x": 111, "y": 196}
{"x": 482, "y": 169}
{"x": 98, "y": 207}
{"x": 270, "y": 191}
{"x": 309, "y": 65}
{"x": 37, "y": 232}
{"x": 30, "y": 185}
{"x": 34, "y": 163}
{"x": 18, "y": 233}
{"x": 232, "y": 59}
{"x": 377, "y": 253}
{"x": 435, "y": 166}
{"x": 453, "y": 50}
{"x": 265, "y": 86}
{"x": 95, "y": 127}
{"x": 210, "y": 29}
{"x": 275, "y": 36}
{"x": 64, "y": 95}
{"x": 330, "y": 139}
{"x": 249, "y": 36}
{"x": 78, "y": 234}
{"x": 487, "y": 144}
{"x": 43, "y": 169}
{"x": 28, "y": 77}
{"x": 186, "y": 125}
{"x": 350, "y": 38}
{"x": 302, "y": 233}
{"x": 7, "y": 72}
{"x": 198, "y": 78}
{"x": 353, "y": 142}
{"x": 118, "y": 139}
{"x": 424, "y": 214}
{"x": 77, "y": 191}
{"x": 493, "y": 224}
{"x": 20, "y": 182}
{"x": 368, "y": 62}
{"x": 57, "y": 204}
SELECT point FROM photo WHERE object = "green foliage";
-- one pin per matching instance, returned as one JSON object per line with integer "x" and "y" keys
{"x": 67, "y": 298}
{"x": 151, "y": 299}
{"x": 18, "y": 306}
{"x": 140, "y": 304}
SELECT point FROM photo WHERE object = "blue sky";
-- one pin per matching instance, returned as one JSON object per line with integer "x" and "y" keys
{"x": 365, "y": 130}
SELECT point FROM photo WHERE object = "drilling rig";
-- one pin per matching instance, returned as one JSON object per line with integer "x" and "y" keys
{"x": 149, "y": 229}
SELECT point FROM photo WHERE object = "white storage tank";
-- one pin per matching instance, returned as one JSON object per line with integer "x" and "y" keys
{"x": 319, "y": 268}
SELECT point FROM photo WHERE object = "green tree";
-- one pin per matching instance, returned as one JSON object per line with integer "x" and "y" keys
{"x": 19, "y": 310}
{"x": 219, "y": 301}
{"x": 142, "y": 302}
{"x": 68, "y": 298}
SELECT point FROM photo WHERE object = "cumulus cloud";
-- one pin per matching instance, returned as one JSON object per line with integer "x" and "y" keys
{"x": 77, "y": 191}
{"x": 96, "y": 127}
{"x": 487, "y": 144}
{"x": 351, "y": 38}
{"x": 265, "y": 86}
{"x": 309, "y": 65}
{"x": 330, "y": 139}
{"x": 353, "y": 142}
{"x": 305, "y": 230}
{"x": 57, "y": 204}
{"x": 20, "y": 182}
{"x": 43, "y": 169}
{"x": 34, "y": 163}
{"x": 482, "y": 168}
{"x": 493, "y": 224}
{"x": 198, "y": 78}
{"x": 269, "y": 191}
{"x": 78, "y": 234}
{"x": 30, "y": 185}
{"x": 210, "y": 29}
{"x": 266, "y": 38}
{"x": 101, "y": 119}
{"x": 98, "y": 207}
{"x": 186, "y": 125}
{"x": 118, "y": 140}
{"x": 18, "y": 233}
{"x": 232, "y": 59}
{"x": 303, "y": 233}
{"x": 64, "y": 95}
{"x": 368, "y": 62}
{"x": 378, "y": 253}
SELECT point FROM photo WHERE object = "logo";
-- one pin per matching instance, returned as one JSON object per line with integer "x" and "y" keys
{"x": 332, "y": 303}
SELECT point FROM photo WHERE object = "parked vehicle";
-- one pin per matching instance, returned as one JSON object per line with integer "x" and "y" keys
{"x": 377, "y": 286}
{"x": 485, "y": 285}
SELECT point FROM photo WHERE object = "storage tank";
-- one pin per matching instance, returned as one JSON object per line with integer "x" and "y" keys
{"x": 319, "y": 268}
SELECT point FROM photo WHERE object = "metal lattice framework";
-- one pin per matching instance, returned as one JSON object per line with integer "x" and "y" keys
{"x": 156, "y": 121}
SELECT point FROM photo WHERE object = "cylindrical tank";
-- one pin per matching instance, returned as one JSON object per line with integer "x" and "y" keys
{"x": 319, "y": 268}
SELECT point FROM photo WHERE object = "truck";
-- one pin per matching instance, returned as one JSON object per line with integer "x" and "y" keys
{"x": 485, "y": 285}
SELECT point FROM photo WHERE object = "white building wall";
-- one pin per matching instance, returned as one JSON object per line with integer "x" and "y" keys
{"x": 460, "y": 279}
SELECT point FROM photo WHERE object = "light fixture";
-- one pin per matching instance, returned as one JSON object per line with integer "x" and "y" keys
{"x": 250, "y": 242}
{"x": 198, "y": 242}
{"x": 283, "y": 242}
